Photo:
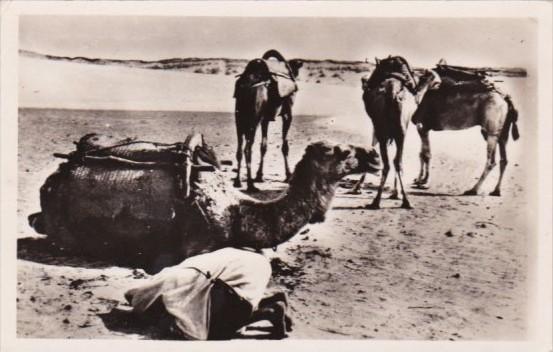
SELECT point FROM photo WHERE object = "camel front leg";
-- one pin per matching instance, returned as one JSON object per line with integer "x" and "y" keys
{"x": 237, "y": 182}
{"x": 490, "y": 164}
{"x": 386, "y": 167}
{"x": 264, "y": 130}
{"x": 286, "y": 123}
{"x": 399, "y": 169}
{"x": 248, "y": 155}
{"x": 502, "y": 166}
{"x": 357, "y": 188}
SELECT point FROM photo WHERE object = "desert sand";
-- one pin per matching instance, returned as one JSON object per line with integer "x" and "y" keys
{"x": 453, "y": 268}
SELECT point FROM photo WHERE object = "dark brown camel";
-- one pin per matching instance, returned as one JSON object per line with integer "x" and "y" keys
{"x": 258, "y": 101}
{"x": 390, "y": 98}
{"x": 464, "y": 100}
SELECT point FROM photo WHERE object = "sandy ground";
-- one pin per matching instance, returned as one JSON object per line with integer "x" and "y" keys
{"x": 455, "y": 267}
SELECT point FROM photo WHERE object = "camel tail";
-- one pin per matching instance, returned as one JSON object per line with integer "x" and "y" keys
{"x": 512, "y": 117}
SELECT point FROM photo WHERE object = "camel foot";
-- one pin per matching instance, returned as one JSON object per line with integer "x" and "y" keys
{"x": 420, "y": 186}
{"x": 252, "y": 189}
{"x": 470, "y": 192}
{"x": 394, "y": 195}
{"x": 237, "y": 183}
{"x": 258, "y": 178}
{"x": 373, "y": 206}
{"x": 496, "y": 193}
{"x": 406, "y": 205}
{"x": 354, "y": 191}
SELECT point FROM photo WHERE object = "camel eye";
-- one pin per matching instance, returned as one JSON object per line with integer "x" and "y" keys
{"x": 346, "y": 154}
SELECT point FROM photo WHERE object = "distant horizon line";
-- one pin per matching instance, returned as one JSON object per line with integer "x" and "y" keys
{"x": 199, "y": 58}
{"x": 183, "y": 58}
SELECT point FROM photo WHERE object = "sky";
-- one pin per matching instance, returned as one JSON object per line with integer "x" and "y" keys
{"x": 422, "y": 41}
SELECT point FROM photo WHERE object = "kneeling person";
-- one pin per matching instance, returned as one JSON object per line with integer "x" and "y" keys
{"x": 212, "y": 295}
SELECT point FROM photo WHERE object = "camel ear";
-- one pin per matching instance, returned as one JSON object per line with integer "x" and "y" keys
{"x": 298, "y": 63}
{"x": 377, "y": 61}
{"x": 342, "y": 154}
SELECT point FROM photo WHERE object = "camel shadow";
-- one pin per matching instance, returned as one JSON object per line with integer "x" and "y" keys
{"x": 364, "y": 195}
{"x": 432, "y": 194}
{"x": 359, "y": 207}
{"x": 45, "y": 251}
{"x": 362, "y": 207}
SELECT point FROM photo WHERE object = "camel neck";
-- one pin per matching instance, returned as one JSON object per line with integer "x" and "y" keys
{"x": 421, "y": 89}
{"x": 268, "y": 224}
{"x": 306, "y": 201}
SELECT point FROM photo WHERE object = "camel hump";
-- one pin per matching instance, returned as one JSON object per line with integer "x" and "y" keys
{"x": 273, "y": 54}
{"x": 459, "y": 74}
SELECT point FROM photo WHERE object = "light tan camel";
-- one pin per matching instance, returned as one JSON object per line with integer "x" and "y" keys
{"x": 458, "y": 105}
{"x": 391, "y": 98}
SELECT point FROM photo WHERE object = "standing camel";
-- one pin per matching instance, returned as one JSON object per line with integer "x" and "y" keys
{"x": 258, "y": 100}
{"x": 390, "y": 96}
{"x": 463, "y": 101}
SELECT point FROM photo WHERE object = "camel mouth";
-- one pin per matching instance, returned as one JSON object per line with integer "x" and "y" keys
{"x": 369, "y": 161}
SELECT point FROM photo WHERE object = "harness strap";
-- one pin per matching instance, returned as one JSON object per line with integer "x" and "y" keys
{"x": 124, "y": 144}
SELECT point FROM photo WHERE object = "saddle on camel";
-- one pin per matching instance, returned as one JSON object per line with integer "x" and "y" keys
{"x": 273, "y": 71}
{"x": 463, "y": 78}
{"x": 133, "y": 202}
{"x": 122, "y": 197}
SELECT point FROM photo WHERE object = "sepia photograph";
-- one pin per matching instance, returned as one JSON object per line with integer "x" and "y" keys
{"x": 288, "y": 172}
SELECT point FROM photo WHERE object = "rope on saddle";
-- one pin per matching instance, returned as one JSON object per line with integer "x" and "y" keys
{"x": 181, "y": 157}
{"x": 262, "y": 83}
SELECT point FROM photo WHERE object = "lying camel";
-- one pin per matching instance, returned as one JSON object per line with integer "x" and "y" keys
{"x": 136, "y": 212}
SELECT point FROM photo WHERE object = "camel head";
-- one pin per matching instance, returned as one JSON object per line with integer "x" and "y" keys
{"x": 295, "y": 65}
{"x": 395, "y": 64}
{"x": 334, "y": 161}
